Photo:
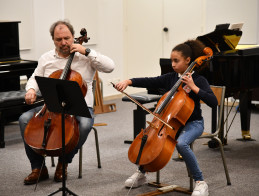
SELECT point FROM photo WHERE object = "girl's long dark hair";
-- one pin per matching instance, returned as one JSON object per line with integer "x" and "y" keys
{"x": 192, "y": 49}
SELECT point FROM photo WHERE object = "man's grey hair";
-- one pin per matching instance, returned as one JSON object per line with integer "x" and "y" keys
{"x": 64, "y": 22}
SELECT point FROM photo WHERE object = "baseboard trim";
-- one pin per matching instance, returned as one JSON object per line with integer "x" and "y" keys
{"x": 111, "y": 97}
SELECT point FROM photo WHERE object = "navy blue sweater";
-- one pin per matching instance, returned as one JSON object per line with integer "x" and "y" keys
{"x": 168, "y": 80}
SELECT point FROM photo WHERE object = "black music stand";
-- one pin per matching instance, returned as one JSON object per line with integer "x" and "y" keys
{"x": 65, "y": 97}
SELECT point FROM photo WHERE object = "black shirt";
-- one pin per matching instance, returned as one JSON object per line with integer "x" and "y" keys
{"x": 167, "y": 81}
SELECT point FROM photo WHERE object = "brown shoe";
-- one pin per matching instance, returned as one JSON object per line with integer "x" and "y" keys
{"x": 35, "y": 175}
{"x": 59, "y": 172}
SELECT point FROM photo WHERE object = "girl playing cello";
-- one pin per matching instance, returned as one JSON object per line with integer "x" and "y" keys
{"x": 198, "y": 89}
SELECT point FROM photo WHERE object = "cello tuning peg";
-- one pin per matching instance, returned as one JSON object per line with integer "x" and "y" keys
{"x": 83, "y": 32}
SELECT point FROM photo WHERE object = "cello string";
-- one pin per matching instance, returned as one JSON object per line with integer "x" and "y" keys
{"x": 198, "y": 61}
{"x": 144, "y": 108}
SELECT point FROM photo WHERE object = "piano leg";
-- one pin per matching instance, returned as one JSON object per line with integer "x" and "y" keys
{"x": 2, "y": 124}
{"x": 139, "y": 122}
{"x": 245, "y": 98}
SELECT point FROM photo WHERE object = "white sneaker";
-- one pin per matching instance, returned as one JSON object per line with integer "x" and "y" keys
{"x": 201, "y": 189}
{"x": 137, "y": 179}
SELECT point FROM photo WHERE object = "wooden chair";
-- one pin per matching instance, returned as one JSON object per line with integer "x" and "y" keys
{"x": 219, "y": 92}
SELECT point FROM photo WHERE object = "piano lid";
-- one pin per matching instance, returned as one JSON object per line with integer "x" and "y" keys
{"x": 221, "y": 40}
{"x": 9, "y": 39}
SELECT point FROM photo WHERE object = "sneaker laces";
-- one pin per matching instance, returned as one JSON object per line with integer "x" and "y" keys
{"x": 136, "y": 174}
{"x": 199, "y": 186}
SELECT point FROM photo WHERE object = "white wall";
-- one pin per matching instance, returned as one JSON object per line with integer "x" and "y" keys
{"x": 109, "y": 28}
{"x": 234, "y": 11}
{"x": 110, "y": 39}
{"x": 257, "y": 22}
{"x": 41, "y": 14}
{"x": 186, "y": 19}
{"x": 19, "y": 10}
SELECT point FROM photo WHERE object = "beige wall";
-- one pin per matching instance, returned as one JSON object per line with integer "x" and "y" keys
{"x": 110, "y": 28}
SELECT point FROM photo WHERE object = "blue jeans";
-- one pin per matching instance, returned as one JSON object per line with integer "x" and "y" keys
{"x": 190, "y": 132}
{"x": 36, "y": 160}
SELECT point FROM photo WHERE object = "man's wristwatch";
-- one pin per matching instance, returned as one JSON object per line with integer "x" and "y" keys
{"x": 87, "y": 51}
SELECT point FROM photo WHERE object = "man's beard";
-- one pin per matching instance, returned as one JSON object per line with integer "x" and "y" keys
{"x": 64, "y": 51}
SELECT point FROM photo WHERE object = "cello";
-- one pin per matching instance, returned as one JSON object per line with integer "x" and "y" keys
{"x": 43, "y": 133}
{"x": 153, "y": 147}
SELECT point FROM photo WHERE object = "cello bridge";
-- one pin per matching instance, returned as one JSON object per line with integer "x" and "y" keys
{"x": 152, "y": 125}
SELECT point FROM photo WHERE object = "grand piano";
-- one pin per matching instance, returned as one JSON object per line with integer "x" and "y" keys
{"x": 237, "y": 69}
{"x": 12, "y": 67}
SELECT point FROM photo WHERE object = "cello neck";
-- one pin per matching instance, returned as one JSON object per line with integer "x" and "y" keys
{"x": 174, "y": 89}
{"x": 79, "y": 40}
{"x": 66, "y": 70}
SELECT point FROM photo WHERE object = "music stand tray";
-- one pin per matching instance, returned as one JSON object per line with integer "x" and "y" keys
{"x": 63, "y": 96}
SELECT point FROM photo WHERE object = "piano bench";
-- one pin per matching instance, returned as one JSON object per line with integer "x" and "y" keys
{"x": 12, "y": 105}
{"x": 139, "y": 115}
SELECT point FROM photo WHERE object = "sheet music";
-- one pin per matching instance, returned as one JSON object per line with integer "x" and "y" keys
{"x": 236, "y": 26}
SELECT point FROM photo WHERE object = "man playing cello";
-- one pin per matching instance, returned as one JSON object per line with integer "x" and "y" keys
{"x": 86, "y": 62}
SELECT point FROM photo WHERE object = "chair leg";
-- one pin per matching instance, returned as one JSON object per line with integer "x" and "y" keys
{"x": 191, "y": 180}
{"x": 157, "y": 182}
{"x": 224, "y": 160}
{"x": 158, "y": 177}
{"x": 97, "y": 147}
{"x": 97, "y": 152}
{"x": 52, "y": 162}
{"x": 189, "y": 173}
{"x": 80, "y": 162}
